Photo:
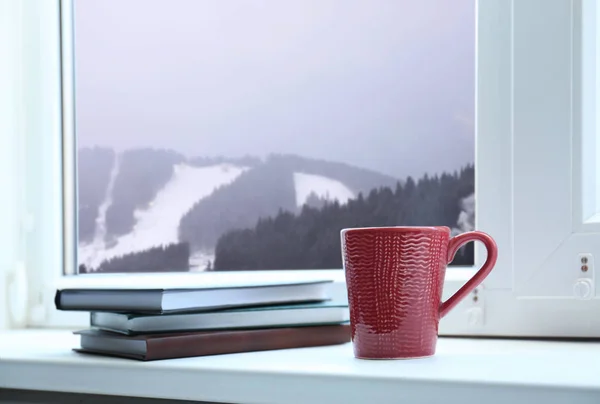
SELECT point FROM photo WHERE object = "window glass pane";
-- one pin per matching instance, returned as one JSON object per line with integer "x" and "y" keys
{"x": 590, "y": 161}
{"x": 236, "y": 135}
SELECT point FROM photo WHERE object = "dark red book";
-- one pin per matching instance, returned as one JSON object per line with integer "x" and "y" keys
{"x": 181, "y": 345}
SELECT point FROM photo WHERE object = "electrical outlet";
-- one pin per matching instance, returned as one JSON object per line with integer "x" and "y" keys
{"x": 584, "y": 286}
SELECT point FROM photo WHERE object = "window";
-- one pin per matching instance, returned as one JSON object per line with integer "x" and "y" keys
{"x": 218, "y": 136}
{"x": 590, "y": 144}
{"x": 535, "y": 139}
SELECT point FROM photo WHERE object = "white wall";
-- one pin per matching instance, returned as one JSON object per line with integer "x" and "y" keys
{"x": 11, "y": 104}
{"x": 29, "y": 125}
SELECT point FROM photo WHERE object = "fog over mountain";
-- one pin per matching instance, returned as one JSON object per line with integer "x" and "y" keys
{"x": 386, "y": 85}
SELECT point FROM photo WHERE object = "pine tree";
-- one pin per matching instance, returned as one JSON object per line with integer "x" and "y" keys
{"x": 311, "y": 239}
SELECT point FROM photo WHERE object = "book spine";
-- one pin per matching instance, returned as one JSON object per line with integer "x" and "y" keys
{"x": 57, "y": 300}
{"x": 203, "y": 344}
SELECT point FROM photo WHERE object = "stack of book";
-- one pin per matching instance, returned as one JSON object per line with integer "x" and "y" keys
{"x": 149, "y": 324}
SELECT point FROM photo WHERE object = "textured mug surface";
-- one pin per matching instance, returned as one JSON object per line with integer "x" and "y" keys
{"x": 395, "y": 277}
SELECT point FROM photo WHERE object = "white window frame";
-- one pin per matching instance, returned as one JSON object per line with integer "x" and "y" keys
{"x": 531, "y": 106}
{"x": 530, "y": 66}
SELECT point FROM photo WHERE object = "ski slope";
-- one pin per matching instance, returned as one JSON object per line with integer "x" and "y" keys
{"x": 100, "y": 232}
{"x": 158, "y": 224}
{"x": 323, "y": 187}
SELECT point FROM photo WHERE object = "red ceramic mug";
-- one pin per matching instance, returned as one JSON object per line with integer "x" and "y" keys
{"x": 394, "y": 277}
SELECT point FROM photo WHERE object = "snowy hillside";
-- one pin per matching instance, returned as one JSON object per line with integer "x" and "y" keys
{"x": 158, "y": 224}
{"x": 100, "y": 233}
{"x": 309, "y": 238}
{"x": 323, "y": 187}
{"x": 142, "y": 200}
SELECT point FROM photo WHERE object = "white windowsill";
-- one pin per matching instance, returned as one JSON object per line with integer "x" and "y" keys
{"x": 463, "y": 370}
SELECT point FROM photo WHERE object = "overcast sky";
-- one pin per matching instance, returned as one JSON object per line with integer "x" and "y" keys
{"x": 386, "y": 85}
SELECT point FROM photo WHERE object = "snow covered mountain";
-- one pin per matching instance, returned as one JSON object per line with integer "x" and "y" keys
{"x": 157, "y": 198}
{"x": 158, "y": 224}
{"x": 323, "y": 187}
{"x": 311, "y": 238}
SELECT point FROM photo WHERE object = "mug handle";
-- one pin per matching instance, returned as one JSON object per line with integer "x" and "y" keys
{"x": 492, "y": 255}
